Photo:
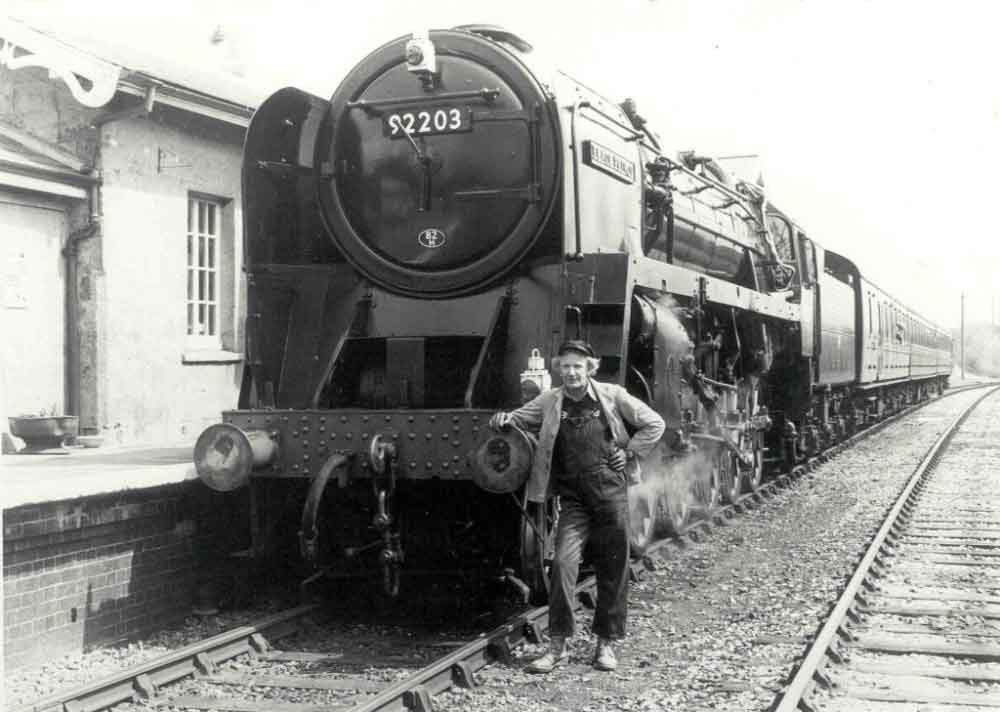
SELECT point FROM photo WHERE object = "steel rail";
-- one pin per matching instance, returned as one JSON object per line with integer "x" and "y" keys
{"x": 144, "y": 679}
{"x": 413, "y": 692}
{"x": 458, "y": 668}
{"x": 793, "y": 696}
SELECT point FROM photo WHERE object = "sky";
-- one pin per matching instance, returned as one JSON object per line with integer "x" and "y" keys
{"x": 876, "y": 123}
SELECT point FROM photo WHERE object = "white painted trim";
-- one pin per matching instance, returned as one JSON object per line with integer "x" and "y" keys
{"x": 14, "y": 180}
{"x": 210, "y": 356}
{"x": 61, "y": 59}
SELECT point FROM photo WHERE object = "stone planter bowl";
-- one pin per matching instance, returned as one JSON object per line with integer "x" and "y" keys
{"x": 44, "y": 432}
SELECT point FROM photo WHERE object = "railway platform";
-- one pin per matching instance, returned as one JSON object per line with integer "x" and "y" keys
{"x": 101, "y": 545}
{"x": 83, "y": 472}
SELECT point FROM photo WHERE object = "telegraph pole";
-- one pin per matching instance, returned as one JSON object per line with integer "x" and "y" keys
{"x": 963, "y": 336}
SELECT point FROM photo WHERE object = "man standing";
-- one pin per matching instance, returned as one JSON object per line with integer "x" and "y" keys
{"x": 582, "y": 439}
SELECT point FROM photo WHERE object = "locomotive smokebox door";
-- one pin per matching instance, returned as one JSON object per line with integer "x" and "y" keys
{"x": 224, "y": 455}
{"x": 502, "y": 462}
{"x": 445, "y": 162}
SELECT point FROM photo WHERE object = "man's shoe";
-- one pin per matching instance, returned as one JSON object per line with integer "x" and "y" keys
{"x": 558, "y": 652}
{"x": 604, "y": 656}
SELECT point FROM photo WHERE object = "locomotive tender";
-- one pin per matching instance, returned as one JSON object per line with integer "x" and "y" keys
{"x": 444, "y": 221}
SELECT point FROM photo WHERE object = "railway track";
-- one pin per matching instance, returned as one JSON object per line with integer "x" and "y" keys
{"x": 397, "y": 680}
{"x": 918, "y": 624}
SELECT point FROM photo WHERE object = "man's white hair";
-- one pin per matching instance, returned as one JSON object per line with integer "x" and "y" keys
{"x": 593, "y": 364}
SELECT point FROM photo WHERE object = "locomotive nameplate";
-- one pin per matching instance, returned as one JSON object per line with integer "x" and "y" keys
{"x": 604, "y": 159}
{"x": 427, "y": 121}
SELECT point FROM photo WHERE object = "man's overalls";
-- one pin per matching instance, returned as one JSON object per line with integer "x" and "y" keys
{"x": 593, "y": 506}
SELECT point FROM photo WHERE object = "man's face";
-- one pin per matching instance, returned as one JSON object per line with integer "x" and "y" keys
{"x": 573, "y": 369}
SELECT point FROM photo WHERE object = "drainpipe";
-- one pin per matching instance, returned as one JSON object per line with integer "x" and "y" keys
{"x": 71, "y": 253}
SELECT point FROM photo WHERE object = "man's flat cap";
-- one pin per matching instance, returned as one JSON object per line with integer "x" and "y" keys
{"x": 577, "y": 345}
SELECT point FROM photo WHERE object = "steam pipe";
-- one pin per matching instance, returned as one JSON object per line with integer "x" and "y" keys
{"x": 308, "y": 534}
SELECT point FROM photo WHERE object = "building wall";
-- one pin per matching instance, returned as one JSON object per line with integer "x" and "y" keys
{"x": 32, "y": 101}
{"x": 137, "y": 381}
{"x": 32, "y": 304}
{"x": 90, "y": 571}
{"x": 158, "y": 389}
{"x": 36, "y": 225}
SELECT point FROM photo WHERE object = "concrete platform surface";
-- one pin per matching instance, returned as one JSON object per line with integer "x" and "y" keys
{"x": 32, "y": 479}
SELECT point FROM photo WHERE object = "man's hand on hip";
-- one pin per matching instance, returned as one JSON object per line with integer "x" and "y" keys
{"x": 617, "y": 460}
{"x": 500, "y": 421}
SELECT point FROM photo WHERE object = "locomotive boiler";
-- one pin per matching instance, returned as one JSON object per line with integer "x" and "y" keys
{"x": 417, "y": 245}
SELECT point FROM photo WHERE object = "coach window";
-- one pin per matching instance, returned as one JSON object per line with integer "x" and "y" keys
{"x": 211, "y": 285}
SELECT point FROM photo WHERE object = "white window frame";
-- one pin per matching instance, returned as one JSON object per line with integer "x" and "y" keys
{"x": 203, "y": 273}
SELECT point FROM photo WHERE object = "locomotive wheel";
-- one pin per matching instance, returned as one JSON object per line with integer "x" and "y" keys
{"x": 754, "y": 475}
{"x": 678, "y": 511}
{"x": 642, "y": 519}
{"x": 537, "y": 546}
{"x": 705, "y": 487}
{"x": 674, "y": 499}
{"x": 730, "y": 476}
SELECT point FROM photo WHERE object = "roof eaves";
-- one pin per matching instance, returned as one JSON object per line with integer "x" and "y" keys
{"x": 179, "y": 97}
{"x": 50, "y": 151}
{"x": 39, "y": 171}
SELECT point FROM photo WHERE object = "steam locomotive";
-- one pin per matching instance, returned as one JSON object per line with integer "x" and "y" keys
{"x": 418, "y": 245}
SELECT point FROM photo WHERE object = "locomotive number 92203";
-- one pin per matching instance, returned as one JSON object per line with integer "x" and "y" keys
{"x": 423, "y": 122}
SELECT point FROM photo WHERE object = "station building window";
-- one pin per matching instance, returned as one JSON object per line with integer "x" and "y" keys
{"x": 210, "y": 301}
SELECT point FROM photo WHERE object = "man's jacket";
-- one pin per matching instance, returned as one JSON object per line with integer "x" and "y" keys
{"x": 542, "y": 416}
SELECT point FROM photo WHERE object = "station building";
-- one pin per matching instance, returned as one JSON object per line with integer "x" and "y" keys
{"x": 121, "y": 303}
{"x": 120, "y": 257}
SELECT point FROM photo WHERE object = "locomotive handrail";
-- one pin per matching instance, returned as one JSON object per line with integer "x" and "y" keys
{"x": 372, "y": 107}
{"x": 574, "y": 111}
{"x": 633, "y": 135}
{"x": 711, "y": 183}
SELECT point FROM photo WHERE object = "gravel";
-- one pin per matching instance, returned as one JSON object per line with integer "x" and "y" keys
{"x": 717, "y": 625}
{"x": 24, "y": 685}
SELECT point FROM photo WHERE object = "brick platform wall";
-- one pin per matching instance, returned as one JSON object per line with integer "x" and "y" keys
{"x": 84, "y": 572}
